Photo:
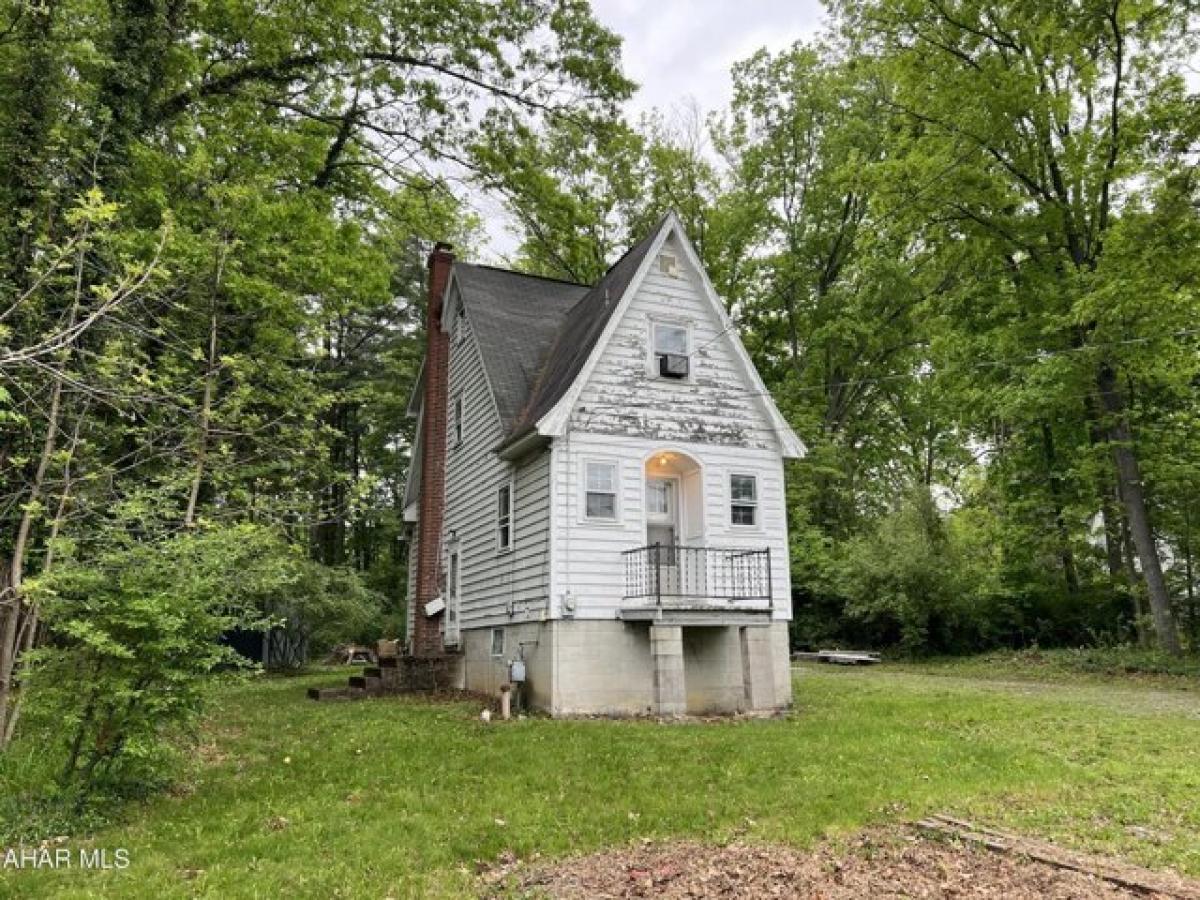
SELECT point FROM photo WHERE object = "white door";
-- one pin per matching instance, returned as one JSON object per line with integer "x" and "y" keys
{"x": 662, "y": 528}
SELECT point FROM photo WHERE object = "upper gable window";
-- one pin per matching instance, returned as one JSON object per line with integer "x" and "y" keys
{"x": 504, "y": 518}
{"x": 670, "y": 346}
{"x": 459, "y": 326}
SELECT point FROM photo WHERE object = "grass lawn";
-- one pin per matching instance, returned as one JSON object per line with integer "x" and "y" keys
{"x": 400, "y": 797}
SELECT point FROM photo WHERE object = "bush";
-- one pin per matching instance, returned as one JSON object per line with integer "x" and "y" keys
{"x": 133, "y": 644}
{"x": 319, "y": 608}
{"x": 915, "y": 583}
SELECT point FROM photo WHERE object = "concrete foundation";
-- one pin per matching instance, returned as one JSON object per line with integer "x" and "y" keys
{"x": 610, "y": 667}
{"x": 666, "y": 651}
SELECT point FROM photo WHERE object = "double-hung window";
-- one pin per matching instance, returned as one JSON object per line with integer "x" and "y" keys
{"x": 670, "y": 343}
{"x": 600, "y": 490}
{"x": 743, "y": 499}
{"x": 504, "y": 518}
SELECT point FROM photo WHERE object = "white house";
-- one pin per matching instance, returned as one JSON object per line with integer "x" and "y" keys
{"x": 598, "y": 491}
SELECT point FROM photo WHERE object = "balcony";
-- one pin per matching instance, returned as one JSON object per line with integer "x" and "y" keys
{"x": 697, "y": 585}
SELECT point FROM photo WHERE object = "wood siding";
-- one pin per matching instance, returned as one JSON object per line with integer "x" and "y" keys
{"x": 625, "y": 414}
{"x": 716, "y": 404}
{"x": 588, "y": 554}
{"x": 498, "y": 587}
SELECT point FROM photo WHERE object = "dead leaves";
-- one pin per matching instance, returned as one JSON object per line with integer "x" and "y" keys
{"x": 891, "y": 865}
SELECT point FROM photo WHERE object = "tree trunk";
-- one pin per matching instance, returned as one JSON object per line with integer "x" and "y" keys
{"x": 16, "y": 567}
{"x": 1129, "y": 481}
{"x": 35, "y": 84}
{"x": 210, "y": 377}
{"x": 1070, "y": 573}
{"x": 32, "y": 619}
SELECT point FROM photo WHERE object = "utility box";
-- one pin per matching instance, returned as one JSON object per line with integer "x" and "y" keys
{"x": 516, "y": 671}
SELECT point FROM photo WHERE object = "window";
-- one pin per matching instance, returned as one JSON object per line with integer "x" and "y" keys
{"x": 601, "y": 491}
{"x": 459, "y": 326}
{"x": 504, "y": 515}
{"x": 457, "y": 424}
{"x": 743, "y": 499}
{"x": 658, "y": 496}
{"x": 670, "y": 350}
{"x": 497, "y": 642}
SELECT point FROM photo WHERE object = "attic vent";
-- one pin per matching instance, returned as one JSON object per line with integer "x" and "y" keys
{"x": 668, "y": 264}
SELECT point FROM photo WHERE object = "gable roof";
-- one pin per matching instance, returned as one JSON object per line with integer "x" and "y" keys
{"x": 580, "y": 332}
{"x": 551, "y": 420}
{"x": 538, "y": 337}
{"x": 514, "y": 318}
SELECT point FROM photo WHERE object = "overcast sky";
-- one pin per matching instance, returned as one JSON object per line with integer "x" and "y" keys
{"x": 679, "y": 49}
{"x": 680, "y": 52}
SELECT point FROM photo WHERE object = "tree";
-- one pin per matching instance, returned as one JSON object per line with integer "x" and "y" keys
{"x": 302, "y": 157}
{"x": 1045, "y": 122}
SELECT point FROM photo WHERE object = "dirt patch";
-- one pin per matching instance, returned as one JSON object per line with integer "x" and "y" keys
{"x": 891, "y": 865}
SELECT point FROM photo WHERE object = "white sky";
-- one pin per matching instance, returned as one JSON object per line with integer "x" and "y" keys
{"x": 680, "y": 52}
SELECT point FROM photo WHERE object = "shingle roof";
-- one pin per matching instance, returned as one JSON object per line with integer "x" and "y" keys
{"x": 535, "y": 334}
{"x": 579, "y": 333}
{"x": 514, "y": 318}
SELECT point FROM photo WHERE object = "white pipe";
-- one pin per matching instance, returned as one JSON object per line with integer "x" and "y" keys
{"x": 505, "y": 701}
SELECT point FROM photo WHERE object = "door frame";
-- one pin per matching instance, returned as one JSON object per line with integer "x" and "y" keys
{"x": 677, "y": 512}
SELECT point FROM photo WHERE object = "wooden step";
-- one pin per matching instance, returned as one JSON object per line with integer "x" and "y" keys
{"x": 365, "y": 682}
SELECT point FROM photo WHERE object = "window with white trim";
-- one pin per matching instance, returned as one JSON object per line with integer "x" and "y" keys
{"x": 457, "y": 422}
{"x": 504, "y": 518}
{"x": 670, "y": 342}
{"x": 497, "y": 642}
{"x": 743, "y": 500}
{"x": 600, "y": 490}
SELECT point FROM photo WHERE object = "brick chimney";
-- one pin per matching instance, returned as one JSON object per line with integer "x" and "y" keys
{"x": 427, "y": 635}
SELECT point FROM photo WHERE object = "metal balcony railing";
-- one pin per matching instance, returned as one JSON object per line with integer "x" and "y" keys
{"x": 666, "y": 574}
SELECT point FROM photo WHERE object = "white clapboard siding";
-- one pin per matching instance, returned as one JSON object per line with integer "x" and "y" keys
{"x": 497, "y": 587}
{"x": 588, "y": 556}
{"x": 410, "y": 587}
{"x": 716, "y": 404}
{"x": 625, "y": 414}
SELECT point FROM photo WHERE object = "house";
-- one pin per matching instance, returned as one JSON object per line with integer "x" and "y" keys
{"x": 597, "y": 491}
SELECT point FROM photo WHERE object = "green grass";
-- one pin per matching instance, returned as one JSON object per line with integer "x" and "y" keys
{"x": 403, "y": 798}
{"x": 1123, "y": 665}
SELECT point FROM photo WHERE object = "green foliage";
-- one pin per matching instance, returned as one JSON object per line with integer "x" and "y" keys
{"x": 319, "y": 607}
{"x": 134, "y": 640}
{"x": 866, "y": 747}
{"x": 1110, "y": 664}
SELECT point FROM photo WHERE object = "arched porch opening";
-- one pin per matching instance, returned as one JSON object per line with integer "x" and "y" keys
{"x": 673, "y": 500}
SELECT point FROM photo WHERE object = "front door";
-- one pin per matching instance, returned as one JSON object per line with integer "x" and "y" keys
{"x": 662, "y": 528}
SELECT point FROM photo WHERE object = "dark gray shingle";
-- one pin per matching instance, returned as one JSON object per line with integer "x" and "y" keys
{"x": 536, "y": 334}
{"x": 514, "y": 318}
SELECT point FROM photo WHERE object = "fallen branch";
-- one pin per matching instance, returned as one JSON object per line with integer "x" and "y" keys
{"x": 1128, "y": 876}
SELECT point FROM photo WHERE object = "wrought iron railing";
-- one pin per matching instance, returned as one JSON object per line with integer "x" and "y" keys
{"x": 666, "y": 574}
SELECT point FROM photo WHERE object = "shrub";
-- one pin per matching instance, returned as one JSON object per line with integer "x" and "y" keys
{"x": 133, "y": 643}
